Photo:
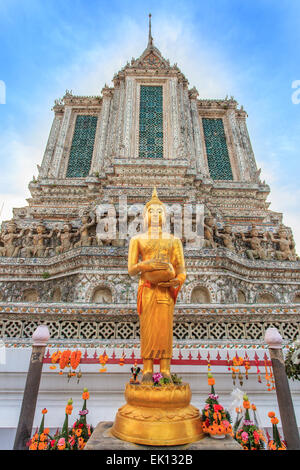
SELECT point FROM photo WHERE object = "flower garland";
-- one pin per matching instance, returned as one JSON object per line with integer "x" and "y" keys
{"x": 75, "y": 359}
{"x": 237, "y": 363}
{"x": 64, "y": 360}
{"x": 216, "y": 420}
{"x": 249, "y": 435}
{"x": 269, "y": 378}
{"x": 55, "y": 358}
{"x": 103, "y": 358}
{"x": 247, "y": 367}
{"x": 67, "y": 359}
{"x": 276, "y": 443}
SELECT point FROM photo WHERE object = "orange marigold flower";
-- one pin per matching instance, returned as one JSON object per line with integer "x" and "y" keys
{"x": 75, "y": 359}
{"x": 46, "y": 431}
{"x": 274, "y": 420}
{"x": 78, "y": 432}
{"x": 246, "y": 405}
{"x": 44, "y": 411}
{"x": 85, "y": 395}
{"x": 253, "y": 407}
{"x": 271, "y": 414}
{"x": 282, "y": 447}
{"x": 55, "y": 357}
{"x": 69, "y": 409}
{"x": 64, "y": 359}
{"x": 211, "y": 381}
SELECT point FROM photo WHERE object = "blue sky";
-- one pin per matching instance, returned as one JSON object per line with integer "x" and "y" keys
{"x": 248, "y": 49}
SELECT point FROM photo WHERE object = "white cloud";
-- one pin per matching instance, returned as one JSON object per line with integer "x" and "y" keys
{"x": 20, "y": 161}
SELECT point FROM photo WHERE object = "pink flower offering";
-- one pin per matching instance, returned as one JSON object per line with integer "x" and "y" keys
{"x": 157, "y": 377}
{"x": 244, "y": 436}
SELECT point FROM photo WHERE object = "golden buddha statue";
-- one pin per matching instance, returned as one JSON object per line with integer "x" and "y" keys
{"x": 157, "y": 415}
{"x": 162, "y": 274}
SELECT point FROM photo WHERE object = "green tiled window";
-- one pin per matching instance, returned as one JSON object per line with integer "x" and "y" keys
{"x": 216, "y": 149}
{"x": 151, "y": 122}
{"x": 82, "y": 147}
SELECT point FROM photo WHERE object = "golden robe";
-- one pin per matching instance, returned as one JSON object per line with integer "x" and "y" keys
{"x": 155, "y": 304}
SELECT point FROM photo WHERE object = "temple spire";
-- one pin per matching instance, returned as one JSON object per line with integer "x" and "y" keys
{"x": 150, "y": 38}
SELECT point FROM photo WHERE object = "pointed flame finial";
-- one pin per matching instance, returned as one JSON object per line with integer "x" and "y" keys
{"x": 150, "y": 38}
{"x": 154, "y": 199}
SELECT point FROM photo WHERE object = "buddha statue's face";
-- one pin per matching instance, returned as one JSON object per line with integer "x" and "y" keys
{"x": 155, "y": 215}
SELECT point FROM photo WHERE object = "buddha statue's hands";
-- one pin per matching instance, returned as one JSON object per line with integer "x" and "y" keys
{"x": 152, "y": 265}
{"x": 172, "y": 283}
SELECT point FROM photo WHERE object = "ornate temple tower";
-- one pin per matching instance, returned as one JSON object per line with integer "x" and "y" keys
{"x": 148, "y": 129}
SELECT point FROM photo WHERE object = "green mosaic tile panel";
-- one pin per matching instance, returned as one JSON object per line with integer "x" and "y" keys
{"x": 151, "y": 122}
{"x": 216, "y": 149}
{"x": 82, "y": 147}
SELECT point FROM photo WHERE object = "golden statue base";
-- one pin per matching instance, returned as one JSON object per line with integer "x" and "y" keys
{"x": 158, "y": 416}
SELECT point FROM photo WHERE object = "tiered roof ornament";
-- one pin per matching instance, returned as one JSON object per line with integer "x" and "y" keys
{"x": 151, "y": 58}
